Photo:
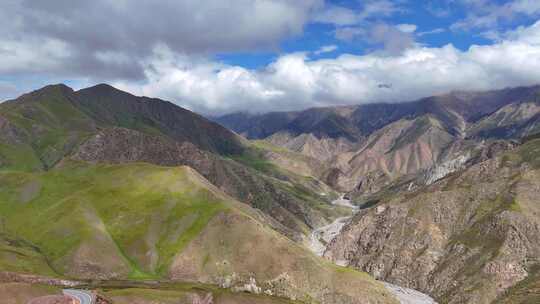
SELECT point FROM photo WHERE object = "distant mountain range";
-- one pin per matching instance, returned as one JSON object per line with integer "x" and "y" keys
{"x": 458, "y": 111}
{"x": 386, "y": 141}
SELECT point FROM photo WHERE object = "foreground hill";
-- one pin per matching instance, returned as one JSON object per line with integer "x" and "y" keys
{"x": 104, "y": 125}
{"x": 140, "y": 221}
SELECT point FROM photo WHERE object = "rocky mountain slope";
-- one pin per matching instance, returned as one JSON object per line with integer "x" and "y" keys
{"x": 447, "y": 187}
{"x": 355, "y": 122}
{"x": 467, "y": 238}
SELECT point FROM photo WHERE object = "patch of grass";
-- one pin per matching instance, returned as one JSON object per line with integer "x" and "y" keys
{"x": 255, "y": 161}
{"x": 137, "y": 274}
{"x": 20, "y": 256}
{"x": 264, "y": 145}
{"x": 122, "y": 196}
{"x": 172, "y": 293}
{"x": 51, "y": 125}
{"x": 204, "y": 206}
{"x": 514, "y": 206}
{"x": 19, "y": 157}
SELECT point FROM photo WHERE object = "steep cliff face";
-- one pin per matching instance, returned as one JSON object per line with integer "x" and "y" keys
{"x": 466, "y": 238}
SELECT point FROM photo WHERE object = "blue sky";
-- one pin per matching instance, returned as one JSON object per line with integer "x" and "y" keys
{"x": 433, "y": 19}
{"x": 216, "y": 57}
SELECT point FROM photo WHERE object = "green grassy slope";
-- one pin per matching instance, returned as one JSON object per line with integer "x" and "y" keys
{"x": 46, "y": 127}
{"x": 77, "y": 206}
{"x": 41, "y": 128}
{"x": 140, "y": 221}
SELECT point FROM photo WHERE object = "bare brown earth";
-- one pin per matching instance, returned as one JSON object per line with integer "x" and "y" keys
{"x": 229, "y": 253}
{"x": 52, "y": 300}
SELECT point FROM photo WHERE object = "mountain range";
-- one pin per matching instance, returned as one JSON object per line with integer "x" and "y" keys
{"x": 144, "y": 201}
{"x": 374, "y": 144}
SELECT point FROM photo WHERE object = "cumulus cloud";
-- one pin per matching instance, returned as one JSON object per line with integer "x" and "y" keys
{"x": 337, "y": 15}
{"x": 107, "y": 38}
{"x": 431, "y": 32}
{"x": 394, "y": 39}
{"x": 294, "y": 81}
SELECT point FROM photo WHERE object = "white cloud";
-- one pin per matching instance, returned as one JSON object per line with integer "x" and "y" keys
{"x": 350, "y": 33}
{"x": 486, "y": 14}
{"x": 294, "y": 81}
{"x": 326, "y": 49}
{"x": 337, "y": 15}
{"x": 7, "y": 90}
{"x": 407, "y": 28}
{"x": 431, "y": 32}
{"x": 32, "y": 55}
{"x": 107, "y": 39}
{"x": 344, "y": 16}
{"x": 528, "y": 7}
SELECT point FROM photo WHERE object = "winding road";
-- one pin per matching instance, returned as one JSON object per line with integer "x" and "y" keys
{"x": 83, "y": 296}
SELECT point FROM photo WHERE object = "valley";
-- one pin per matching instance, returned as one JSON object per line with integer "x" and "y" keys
{"x": 270, "y": 152}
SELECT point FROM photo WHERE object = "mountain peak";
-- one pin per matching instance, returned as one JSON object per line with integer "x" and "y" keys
{"x": 103, "y": 88}
{"x": 54, "y": 90}
{"x": 60, "y": 87}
